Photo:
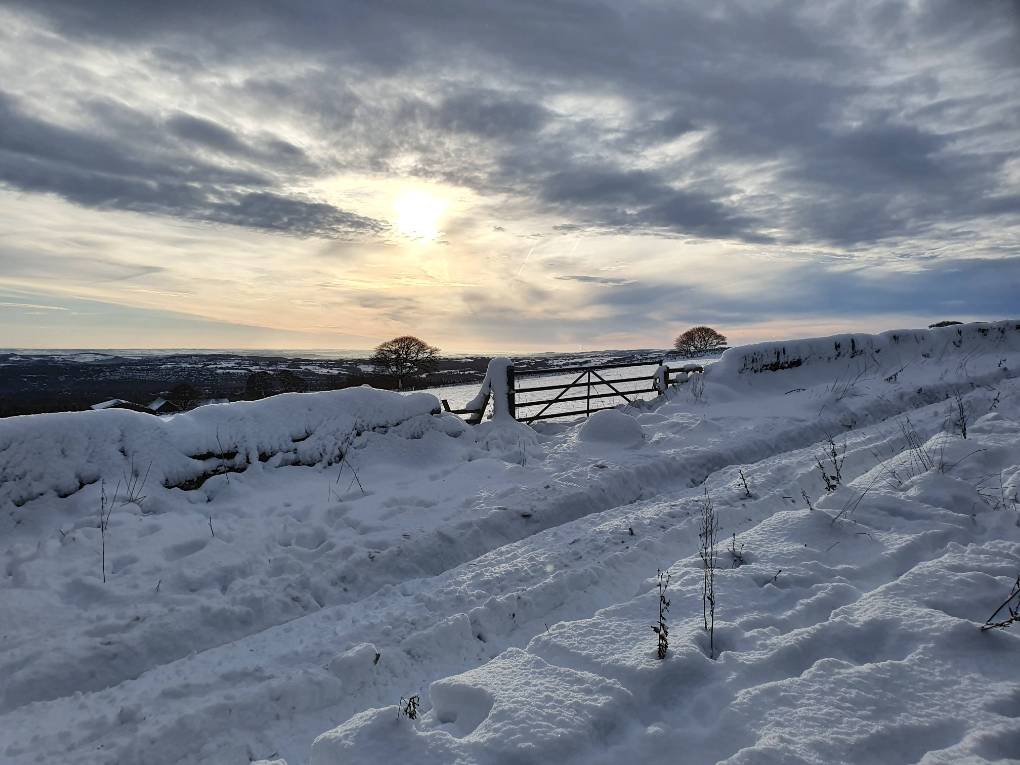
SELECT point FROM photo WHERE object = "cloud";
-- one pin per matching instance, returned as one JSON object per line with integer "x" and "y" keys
{"x": 941, "y": 290}
{"x": 490, "y": 114}
{"x": 207, "y": 133}
{"x": 133, "y": 169}
{"x": 837, "y": 132}
{"x": 820, "y": 94}
{"x": 608, "y": 281}
{"x": 31, "y": 306}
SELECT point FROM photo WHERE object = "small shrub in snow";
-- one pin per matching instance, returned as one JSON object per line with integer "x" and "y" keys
{"x": 895, "y": 376}
{"x": 1011, "y": 606}
{"x": 662, "y": 629}
{"x": 707, "y": 533}
{"x": 923, "y": 458}
{"x": 807, "y": 499}
{"x": 134, "y": 485}
{"x": 409, "y": 707}
{"x": 995, "y": 496}
{"x": 830, "y": 465}
{"x": 736, "y": 553}
{"x": 345, "y": 446}
{"x": 846, "y": 387}
{"x": 1004, "y": 501}
{"x": 105, "y": 511}
{"x": 854, "y": 501}
{"x": 995, "y": 401}
{"x": 958, "y": 414}
{"x": 743, "y": 481}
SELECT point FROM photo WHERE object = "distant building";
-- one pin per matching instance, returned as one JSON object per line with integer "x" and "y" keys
{"x": 113, "y": 403}
{"x": 162, "y": 406}
{"x": 119, "y": 403}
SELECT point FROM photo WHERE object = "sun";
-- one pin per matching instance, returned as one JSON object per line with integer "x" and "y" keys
{"x": 418, "y": 214}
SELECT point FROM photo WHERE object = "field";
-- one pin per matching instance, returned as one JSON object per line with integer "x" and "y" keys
{"x": 277, "y": 579}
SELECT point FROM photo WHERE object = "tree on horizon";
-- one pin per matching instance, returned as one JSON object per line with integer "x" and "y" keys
{"x": 699, "y": 340}
{"x": 404, "y": 356}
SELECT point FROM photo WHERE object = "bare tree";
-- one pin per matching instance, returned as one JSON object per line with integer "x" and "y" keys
{"x": 830, "y": 465}
{"x": 698, "y": 340}
{"x": 184, "y": 396}
{"x": 403, "y": 356}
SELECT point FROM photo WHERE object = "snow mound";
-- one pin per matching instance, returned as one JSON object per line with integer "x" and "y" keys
{"x": 516, "y": 706}
{"x": 611, "y": 425}
{"x": 63, "y": 452}
{"x": 505, "y": 438}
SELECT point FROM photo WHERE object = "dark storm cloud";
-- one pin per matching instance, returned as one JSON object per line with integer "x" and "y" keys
{"x": 851, "y": 142}
{"x": 638, "y": 200}
{"x": 124, "y": 163}
{"x": 490, "y": 114}
{"x": 205, "y": 132}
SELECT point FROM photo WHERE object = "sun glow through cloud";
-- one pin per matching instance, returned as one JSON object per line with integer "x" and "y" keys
{"x": 418, "y": 215}
{"x": 179, "y": 179}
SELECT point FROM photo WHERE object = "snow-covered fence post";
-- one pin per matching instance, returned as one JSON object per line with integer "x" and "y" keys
{"x": 499, "y": 384}
{"x": 661, "y": 381}
{"x": 511, "y": 393}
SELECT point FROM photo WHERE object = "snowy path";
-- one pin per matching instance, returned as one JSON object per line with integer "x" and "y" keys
{"x": 865, "y": 608}
{"x": 306, "y": 608}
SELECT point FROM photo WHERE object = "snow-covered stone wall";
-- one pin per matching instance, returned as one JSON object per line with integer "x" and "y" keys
{"x": 62, "y": 452}
{"x": 885, "y": 350}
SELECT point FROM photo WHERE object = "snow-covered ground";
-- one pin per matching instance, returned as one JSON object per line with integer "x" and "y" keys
{"x": 363, "y": 549}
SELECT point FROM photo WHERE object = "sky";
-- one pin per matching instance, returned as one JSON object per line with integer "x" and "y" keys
{"x": 503, "y": 176}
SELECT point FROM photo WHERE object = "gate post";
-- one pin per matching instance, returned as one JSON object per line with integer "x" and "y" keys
{"x": 511, "y": 393}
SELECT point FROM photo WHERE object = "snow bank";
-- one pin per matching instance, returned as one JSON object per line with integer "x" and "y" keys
{"x": 60, "y": 453}
{"x": 887, "y": 350}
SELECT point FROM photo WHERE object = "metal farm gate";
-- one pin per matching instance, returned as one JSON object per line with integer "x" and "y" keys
{"x": 589, "y": 378}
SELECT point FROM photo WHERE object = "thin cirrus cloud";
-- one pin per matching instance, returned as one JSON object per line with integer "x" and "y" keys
{"x": 685, "y": 145}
